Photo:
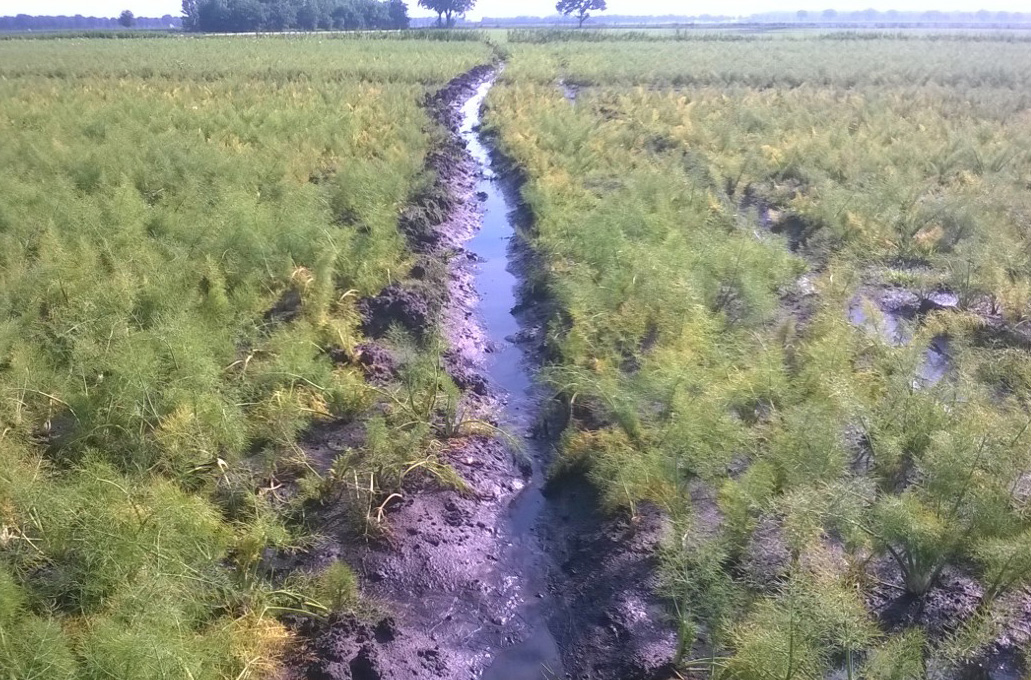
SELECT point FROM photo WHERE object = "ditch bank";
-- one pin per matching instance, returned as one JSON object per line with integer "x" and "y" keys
{"x": 510, "y": 577}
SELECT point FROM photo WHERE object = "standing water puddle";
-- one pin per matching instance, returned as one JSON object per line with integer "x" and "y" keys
{"x": 893, "y": 326}
{"x": 534, "y": 654}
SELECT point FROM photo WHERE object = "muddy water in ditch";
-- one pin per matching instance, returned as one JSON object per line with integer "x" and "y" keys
{"x": 534, "y": 654}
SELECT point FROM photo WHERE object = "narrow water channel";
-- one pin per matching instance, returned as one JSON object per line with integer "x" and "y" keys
{"x": 533, "y": 652}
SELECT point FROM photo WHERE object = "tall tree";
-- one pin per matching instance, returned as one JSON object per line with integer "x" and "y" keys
{"x": 581, "y": 8}
{"x": 448, "y": 10}
{"x": 190, "y": 16}
{"x": 127, "y": 19}
{"x": 281, "y": 16}
{"x": 397, "y": 10}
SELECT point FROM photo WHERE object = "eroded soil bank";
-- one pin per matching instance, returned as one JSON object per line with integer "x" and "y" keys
{"x": 512, "y": 578}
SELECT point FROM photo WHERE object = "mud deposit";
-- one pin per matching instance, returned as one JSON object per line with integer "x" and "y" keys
{"x": 513, "y": 579}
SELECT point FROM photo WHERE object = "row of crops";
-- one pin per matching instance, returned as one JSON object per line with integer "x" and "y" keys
{"x": 792, "y": 278}
{"x": 185, "y": 229}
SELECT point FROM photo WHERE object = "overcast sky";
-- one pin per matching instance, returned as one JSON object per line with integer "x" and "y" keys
{"x": 495, "y": 8}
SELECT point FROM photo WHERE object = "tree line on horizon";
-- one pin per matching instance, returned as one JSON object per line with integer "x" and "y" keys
{"x": 240, "y": 16}
{"x": 236, "y": 16}
{"x": 233, "y": 16}
{"x": 829, "y": 16}
{"x": 229, "y": 16}
{"x": 27, "y": 22}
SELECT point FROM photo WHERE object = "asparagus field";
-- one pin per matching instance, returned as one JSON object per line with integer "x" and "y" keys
{"x": 187, "y": 227}
{"x": 759, "y": 410}
{"x": 792, "y": 285}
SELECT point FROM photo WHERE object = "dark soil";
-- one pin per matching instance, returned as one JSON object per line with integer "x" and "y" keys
{"x": 377, "y": 363}
{"x": 434, "y": 573}
{"x": 409, "y": 307}
{"x": 609, "y": 623}
{"x": 287, "y": 308}
{"x": 945, "y": 607}
{"x": 462, "y": 587}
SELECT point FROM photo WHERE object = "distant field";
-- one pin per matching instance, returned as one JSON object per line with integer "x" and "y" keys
{"x": 793, "y": 276}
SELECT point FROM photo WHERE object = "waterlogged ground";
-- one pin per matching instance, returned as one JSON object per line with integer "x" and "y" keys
{"x": 513, "y": 579}
{"x": 508, "y": 370}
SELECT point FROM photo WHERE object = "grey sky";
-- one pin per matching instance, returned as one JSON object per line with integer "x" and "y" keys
{"x": 541, "y": 7}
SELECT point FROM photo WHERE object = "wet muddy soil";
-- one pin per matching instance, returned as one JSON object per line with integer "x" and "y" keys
{"x": 511, "y": 578}
{"x": 892, "y": 313}
{"x": 569, "y": 90}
